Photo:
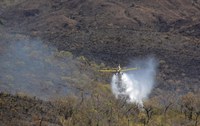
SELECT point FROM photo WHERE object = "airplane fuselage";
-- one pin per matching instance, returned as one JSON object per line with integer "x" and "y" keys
{"x": 118, "y": 71}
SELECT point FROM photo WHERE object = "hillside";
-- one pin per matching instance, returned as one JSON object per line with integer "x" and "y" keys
{"x": 115, "y": 32}
{"x": 68, "y": 41}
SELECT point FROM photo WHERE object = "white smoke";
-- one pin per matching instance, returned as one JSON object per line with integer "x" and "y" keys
{"x": 34, "y": 68}
{"x": 136, "y": 85}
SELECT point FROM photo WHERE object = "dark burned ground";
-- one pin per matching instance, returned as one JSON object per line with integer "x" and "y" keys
{"x": 108, "y": 30}
{"x": 115, "y": 32}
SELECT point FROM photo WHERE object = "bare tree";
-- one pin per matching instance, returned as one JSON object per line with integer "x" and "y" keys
{"x": 148, "y": 108}
{"x": 167, "y": 100}
{"x": 188, "y": 104}
{"x": 197, "y": 108}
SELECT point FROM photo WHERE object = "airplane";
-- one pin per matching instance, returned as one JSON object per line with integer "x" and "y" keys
{"x": 118, "y": 70}
{"x": 119, "y": 73}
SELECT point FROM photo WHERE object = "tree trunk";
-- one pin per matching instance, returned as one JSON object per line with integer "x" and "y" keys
{"x": 196, "y": 119}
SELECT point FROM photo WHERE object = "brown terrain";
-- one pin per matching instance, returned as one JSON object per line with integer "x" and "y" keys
{"x": 113, "y": 32}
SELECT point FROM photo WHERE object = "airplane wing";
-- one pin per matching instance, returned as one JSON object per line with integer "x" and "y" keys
{"x": 109, "y": 71}
{"x": 129, "y": 69}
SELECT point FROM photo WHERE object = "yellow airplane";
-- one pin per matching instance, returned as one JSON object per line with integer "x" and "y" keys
{"x": 118, "y": 70}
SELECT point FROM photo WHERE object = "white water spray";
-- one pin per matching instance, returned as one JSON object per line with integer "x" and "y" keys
{"x": 136, "y": 85}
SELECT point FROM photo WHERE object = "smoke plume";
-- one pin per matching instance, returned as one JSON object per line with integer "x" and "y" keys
{"x": 136, "y": 85}
{"x": 33, "y": 68}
